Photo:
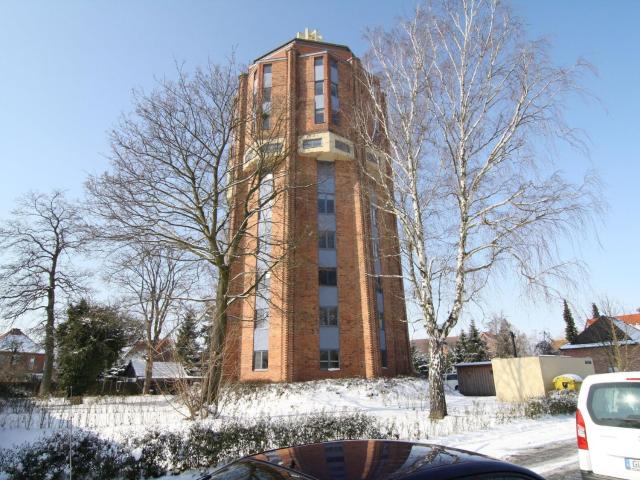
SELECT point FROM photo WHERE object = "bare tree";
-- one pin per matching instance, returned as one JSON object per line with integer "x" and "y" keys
{"x": 177, "y": 180}
{"x": 157, "y": 281}
{"x": 614, "y": 336}
{"x": 544, "y": 346}
{"x": 463, "y": 103}
{"x": 510, "y": 342}
{"x": 37, "y": 243}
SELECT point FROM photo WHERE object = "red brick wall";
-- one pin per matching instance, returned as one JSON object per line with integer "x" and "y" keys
{"x": 19, "y": 364}
{"x": 603, "y": 358}
{"x": 294, "y": 326}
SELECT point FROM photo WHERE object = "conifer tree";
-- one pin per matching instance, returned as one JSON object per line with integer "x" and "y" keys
{"x": 89, "y": 342}
{"x": 477, "y": 346}
{"x": 570, "y": 330}
{"x": 420, "y": 361}
{"x": 460, "y": 351}
{"x": 595, "y": 313}
{"x": 187, "y": 350}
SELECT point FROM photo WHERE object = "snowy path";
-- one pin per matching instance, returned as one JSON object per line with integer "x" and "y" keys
{"x": 546, "y": 446}
{"x": 554, "y": 460}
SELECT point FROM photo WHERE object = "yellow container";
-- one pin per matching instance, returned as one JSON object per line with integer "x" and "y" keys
{"x": 567, "y": 381}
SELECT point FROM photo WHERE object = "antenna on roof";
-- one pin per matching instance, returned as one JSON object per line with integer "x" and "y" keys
{"x": 309, "y": 35}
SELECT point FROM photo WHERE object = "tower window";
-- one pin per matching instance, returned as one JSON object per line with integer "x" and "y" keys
{"x": 255, "y": 99}
{"x": 266, "y": 97}
{"x": 271, "y": 147}
{"x": 383, "y": 358}
{"x": 327, "y": 240}
{"x": 261, "y": 360}
{"x": 345, "y": 147}
{"x": 335, "y": 103}
{"x": 380, "y": 315}
{"x": 318, "y": 73}
{"x": 326, "y": 203}
{"x": 329, "y": 359}
{"x": 262, "y": 318}
{"x": 312, "y": 143}
{"x": 328, "y": 277}
{"x": 328, "y": 316}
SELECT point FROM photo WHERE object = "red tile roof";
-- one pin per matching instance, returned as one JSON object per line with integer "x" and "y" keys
{"x": 631, "y": 319}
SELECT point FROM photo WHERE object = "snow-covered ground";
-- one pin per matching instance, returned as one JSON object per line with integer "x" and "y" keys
{"x": 480, "y": 424}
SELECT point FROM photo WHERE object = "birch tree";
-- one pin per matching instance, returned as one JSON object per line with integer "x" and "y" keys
{"x": 37, "y": 246}
{"x": 457, "y": 109}
{"x": 178, "y": 180}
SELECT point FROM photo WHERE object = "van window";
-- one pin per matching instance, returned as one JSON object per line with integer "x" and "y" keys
{"x": 615, "y": 404}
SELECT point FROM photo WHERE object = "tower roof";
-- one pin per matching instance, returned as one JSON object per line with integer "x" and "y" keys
{"x": 304, "y": 41}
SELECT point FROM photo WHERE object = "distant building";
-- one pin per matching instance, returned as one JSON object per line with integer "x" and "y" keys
{"x": 163, "y": 351}
{"x": 129, "y": 377}
{"x": 630, "y": 319}
{"x": 612, "y": 342}
{"x": 422, "y": 344}
{"x": 556, "y": 344}
{"x": 135, "y": 369}
{"x": 20, "y": 357}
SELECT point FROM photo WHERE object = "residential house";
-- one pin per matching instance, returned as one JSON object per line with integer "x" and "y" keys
{"x": 163, "y": 351}
{"x": 612, "y": 342}
{"x": 130, "y": 377}
{"x": 20, "y": 357}
{"x": 422, "y": 344}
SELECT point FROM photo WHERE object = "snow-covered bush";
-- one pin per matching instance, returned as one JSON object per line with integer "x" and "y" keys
{"x": 556, "y": 403}
{"x": 158, "y": 453}
{"x": 48, "y": 459}
{"x": 203, "y": 447}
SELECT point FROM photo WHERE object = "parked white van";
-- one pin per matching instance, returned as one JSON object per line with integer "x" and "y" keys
{"x": 608, "y": 426}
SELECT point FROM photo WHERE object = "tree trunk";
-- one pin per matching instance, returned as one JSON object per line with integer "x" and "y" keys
{"x": 437, "y": 402}
{"x": 148, "y": 369}
{"x": 213, "y": 380}
{"x": 49, "y": 332}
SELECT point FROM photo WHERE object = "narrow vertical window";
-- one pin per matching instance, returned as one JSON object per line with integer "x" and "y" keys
{"x": 377, "y": 270}
{"x": 266, "y": 97}
{"x": 318, "y": 77}
{"x": 263, "y": 276}
{"x": 254, "y": 99}
{"x": 328, "y": 311}
{"x": 335, "y": 103}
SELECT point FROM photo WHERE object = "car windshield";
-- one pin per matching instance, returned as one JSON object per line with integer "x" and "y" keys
{"x": 615, "y": 404}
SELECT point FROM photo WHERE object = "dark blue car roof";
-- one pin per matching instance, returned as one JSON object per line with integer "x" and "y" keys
{"x": 373, "y": 459}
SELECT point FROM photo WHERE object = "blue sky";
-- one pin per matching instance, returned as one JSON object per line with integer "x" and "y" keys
{"x": 67, "y": 70}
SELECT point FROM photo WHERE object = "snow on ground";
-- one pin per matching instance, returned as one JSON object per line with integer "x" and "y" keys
{"x": 480, "y": 424}
{"x": 508, "y": 440}
{"x": 402, "y": 401}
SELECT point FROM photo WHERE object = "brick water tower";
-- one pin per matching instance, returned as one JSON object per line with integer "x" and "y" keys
{"x": 334, "y": 305}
